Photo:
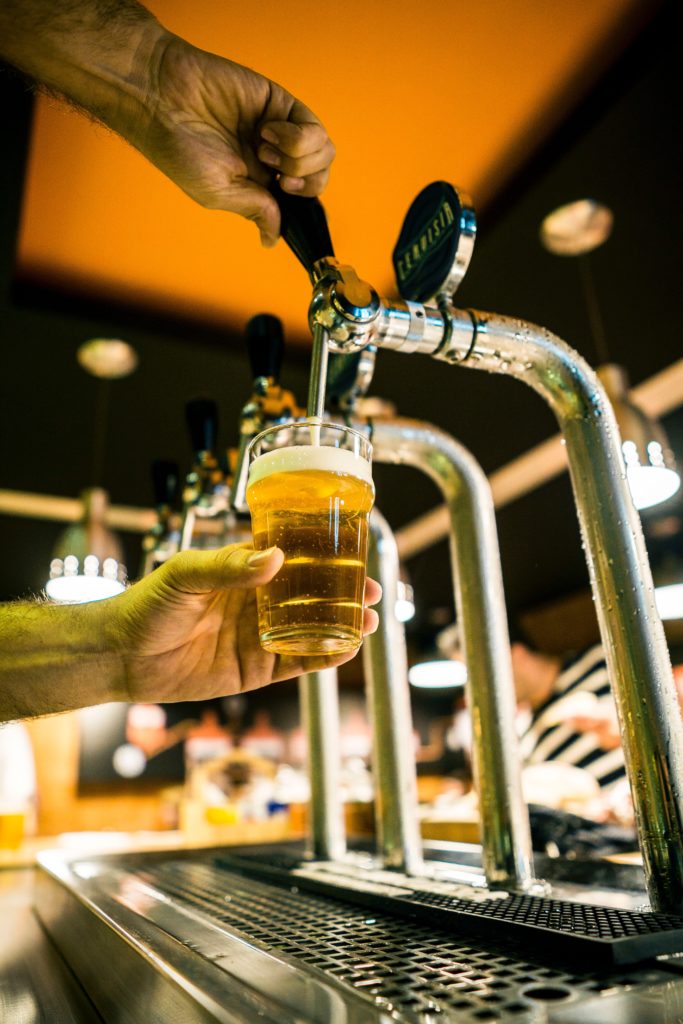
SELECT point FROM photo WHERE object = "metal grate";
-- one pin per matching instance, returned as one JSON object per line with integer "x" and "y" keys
{"x": 608, "y": 935}
{"x": 404, "y": 967}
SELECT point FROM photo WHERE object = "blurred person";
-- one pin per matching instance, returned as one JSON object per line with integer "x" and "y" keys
{"x": 263, "y": 739}
{"x": 572, "y": 717}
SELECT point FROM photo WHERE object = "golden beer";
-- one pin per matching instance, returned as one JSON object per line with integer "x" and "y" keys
{"x": 313, "y": 501}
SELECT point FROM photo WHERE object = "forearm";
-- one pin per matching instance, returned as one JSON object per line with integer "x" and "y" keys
{"x": 99, "y": 54}
{"x": 56, "y": 658}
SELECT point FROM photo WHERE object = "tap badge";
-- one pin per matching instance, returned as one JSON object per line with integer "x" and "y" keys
{"x": 427, "y": 246}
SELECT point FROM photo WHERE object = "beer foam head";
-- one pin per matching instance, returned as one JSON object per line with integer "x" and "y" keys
{"x": 298, "y": 458}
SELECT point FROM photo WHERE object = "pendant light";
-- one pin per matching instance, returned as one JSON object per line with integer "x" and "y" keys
{"x": 577, "y": 229}
{"x": 668, "y": 580}
{"x": 442, "y": 667}
{"x": 87, "y": 563}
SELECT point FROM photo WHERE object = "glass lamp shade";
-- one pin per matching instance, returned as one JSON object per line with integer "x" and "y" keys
{"x": 669, "y": 600}
{"x": 576, "y": 228}
{"x": 668, "y": 579}
{"x": 650, "y": 467}
{"x": 69, "y": 586}
{"x": 438, "y": 674}
{"x": 405, "y": 602}
{"x": 88, "y": 558}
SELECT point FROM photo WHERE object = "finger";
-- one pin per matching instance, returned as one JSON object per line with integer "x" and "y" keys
{"x": 312, "y": 186}
{"x": 297, "y": 167}
{"x": 238, "y": 565}
{"x": 373, "y": 592}
{"x": 370, "y": 621}
{"x": 257, "y": 204}
{"x": 297, "y": 137}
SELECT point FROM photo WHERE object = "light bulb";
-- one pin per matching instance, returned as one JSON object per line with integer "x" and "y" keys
{"x": 669, "y": 601}
{"x": 650, "y": 485}
{"x": 79, "y": 589}
{"x": 442, "y": 674}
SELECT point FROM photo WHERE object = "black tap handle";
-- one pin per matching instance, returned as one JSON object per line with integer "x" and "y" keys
{"x": 201, "y": 415}
{"x": 165, "y": 481}
{"x": 265, "y": 345}
{"x": 304, "y": 227}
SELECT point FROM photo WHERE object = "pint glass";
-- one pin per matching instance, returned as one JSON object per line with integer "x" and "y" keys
{"x": 310, "y": 492}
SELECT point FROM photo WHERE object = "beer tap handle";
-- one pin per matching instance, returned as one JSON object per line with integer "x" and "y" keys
{"x": 304, "y": 228}
{"x": 265, "y": 346}
{"x": 165, "y": 482}
{"x": 435, "y": 245}
{"x": 201, "y": 415}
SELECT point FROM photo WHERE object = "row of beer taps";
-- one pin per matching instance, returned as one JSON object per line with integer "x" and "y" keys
{"x": 350, "y": 322}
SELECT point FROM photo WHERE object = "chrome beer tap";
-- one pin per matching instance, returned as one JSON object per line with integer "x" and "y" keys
{"x": 336, "y": 287}
{"x": 269, "y": 402}
{"x": 206, "y": 494}
{"x": 163, "y": 539}
{"x": 430, "y": 258}
{"x": 478, "y": 584}
{"x": 506, "y": 839}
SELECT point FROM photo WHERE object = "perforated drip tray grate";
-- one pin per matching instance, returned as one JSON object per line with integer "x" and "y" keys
{"x": 412, "y": 972}
{"x": 605, "y": 935}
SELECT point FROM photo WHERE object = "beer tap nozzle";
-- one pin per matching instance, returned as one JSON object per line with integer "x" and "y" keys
{"x": 344, "y": 308}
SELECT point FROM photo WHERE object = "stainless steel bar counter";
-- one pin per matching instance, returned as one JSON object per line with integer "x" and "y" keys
{"x": 193, "y": 937}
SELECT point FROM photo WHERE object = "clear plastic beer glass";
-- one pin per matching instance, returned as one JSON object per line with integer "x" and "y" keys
{"x": 310, "y": 492}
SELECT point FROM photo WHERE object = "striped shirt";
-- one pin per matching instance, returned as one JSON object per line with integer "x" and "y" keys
{"x": 544, "y": 739}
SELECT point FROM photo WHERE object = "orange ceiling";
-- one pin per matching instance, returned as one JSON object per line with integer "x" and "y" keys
{"x": 409, "y": 92}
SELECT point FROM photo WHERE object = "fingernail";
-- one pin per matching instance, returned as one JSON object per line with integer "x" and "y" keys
{"x": 257, "y": 558}
{"x": 268, "y": 241}
{"x": 269, "y": 156}
{"x": 292, "y": 184}
{"x": 269, "y": 135}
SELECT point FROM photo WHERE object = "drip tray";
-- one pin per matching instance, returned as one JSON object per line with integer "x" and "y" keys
{"x": 198, "y": 938}
{"x": 605, "y": 935}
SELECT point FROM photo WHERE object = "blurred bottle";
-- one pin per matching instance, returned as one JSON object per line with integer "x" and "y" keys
{"x": 17, "y": 786}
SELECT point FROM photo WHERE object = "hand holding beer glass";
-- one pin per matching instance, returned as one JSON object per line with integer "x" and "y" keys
{"x": 310, "y": 492}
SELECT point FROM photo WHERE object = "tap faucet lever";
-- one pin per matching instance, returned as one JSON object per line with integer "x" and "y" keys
{"x": 165, "y": 481}
{"x": 269, "y": 403}
{"x": 304, "y": 228}
{"x": 265, "y": 347}
{"x": 162, "y": 540}
{"x": 205, "y": 492}
{"x": 201, "y": 415}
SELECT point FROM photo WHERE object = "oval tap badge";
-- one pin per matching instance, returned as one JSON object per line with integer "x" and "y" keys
{"x": 435, "y": 245}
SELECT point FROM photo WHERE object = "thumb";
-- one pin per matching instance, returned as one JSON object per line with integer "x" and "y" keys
{"x": 198, "y": 572}
{"x": 256, "y": 203}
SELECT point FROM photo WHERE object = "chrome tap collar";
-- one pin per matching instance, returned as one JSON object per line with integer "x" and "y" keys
{"x": 344, "y": 305}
